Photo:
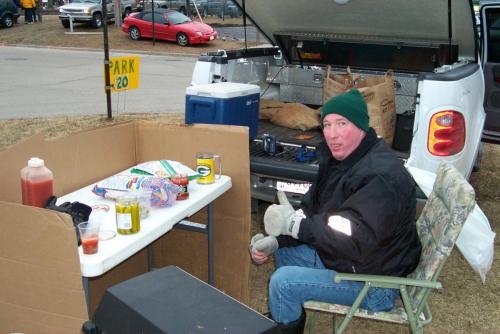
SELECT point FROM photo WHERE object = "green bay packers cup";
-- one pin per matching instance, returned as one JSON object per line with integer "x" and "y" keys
{"x": 205, "y": 167}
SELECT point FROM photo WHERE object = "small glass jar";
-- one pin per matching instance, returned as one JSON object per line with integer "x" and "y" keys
{"x": 182, "y": 180}
{"x": 127, "y": 214}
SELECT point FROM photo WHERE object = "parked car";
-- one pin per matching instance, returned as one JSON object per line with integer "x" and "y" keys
{"x": 223, "y": 8}
{"x": 146, "y": 4}
{"x": 205, "y": 7}
{"x": 8, "y": 13}
{"x": 169, "y": 25}
{"x": 180, "y": 6}
{"x": 90, "y": 11}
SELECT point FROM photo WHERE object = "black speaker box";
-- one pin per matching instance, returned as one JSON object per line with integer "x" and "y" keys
{"x": 169, "y": 300}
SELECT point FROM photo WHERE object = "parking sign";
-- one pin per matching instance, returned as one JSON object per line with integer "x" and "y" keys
{"x": 124, "y": 73}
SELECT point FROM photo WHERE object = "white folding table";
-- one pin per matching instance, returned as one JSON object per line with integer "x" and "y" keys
{"x": 160, "y": 220}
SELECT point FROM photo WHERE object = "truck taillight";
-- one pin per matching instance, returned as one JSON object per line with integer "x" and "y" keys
{"x": 446, "y": 133}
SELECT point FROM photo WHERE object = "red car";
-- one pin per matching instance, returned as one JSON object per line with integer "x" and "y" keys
{"x": 170, "y": 25}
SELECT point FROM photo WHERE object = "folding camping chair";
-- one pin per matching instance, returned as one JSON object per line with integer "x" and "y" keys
{"x": 440, "y": 223}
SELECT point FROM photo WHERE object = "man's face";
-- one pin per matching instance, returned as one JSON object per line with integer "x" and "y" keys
{"x": 341, "y": 135}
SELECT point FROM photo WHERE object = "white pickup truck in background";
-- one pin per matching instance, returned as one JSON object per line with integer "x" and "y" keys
{"x": 432, "y": 49}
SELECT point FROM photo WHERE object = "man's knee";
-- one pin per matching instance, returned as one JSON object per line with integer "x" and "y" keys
{"x": 280, "y": 278}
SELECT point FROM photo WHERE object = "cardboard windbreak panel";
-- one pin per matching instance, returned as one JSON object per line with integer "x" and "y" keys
{"x": 85, "y": 157}
{"x": 40, "y": 269}
{"x": 232, "y": 216}
{"x": 40, "y": 280}
{"x": 76, "y": 160}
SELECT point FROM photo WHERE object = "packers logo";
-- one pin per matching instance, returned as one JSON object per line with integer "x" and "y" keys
{"x": 203, "y": 170}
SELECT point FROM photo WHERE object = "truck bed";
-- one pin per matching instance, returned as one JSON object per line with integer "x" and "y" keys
{"x": 289, "y": 136}
{"x": 285, "y": 164}
{"x": 267, "y": 169}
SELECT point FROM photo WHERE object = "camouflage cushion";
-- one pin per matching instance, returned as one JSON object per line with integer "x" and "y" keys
{"x": 397, "y": 314}
{"x": 442, "y": 219}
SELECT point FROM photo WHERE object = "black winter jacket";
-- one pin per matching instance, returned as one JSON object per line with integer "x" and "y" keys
{"x": 372, "y": 189}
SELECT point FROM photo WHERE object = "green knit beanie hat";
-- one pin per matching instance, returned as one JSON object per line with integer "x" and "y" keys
{"x": 351, "y": 105}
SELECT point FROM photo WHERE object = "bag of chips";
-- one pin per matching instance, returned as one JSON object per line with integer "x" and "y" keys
{"x": 163, "y": 192}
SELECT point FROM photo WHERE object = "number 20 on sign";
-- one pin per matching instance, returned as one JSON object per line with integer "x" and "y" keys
{"x": 124, "y": 73}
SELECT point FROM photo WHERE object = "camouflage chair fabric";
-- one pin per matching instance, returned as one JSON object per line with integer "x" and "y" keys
{"x": 440, "y": 223}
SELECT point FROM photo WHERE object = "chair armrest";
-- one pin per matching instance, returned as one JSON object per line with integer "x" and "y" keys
{"x": 387, "y": 281}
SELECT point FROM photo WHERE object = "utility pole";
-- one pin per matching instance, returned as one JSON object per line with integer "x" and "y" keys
{"x": 107, "y": 79}
{"x": 188, "y": 11}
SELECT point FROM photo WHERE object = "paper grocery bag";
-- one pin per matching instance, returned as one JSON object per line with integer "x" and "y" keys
{"x": 296, "y": 116}
{"x": 335, "y": 84}
{"x": 378, "y": 92}
{"x": 379, "y": 96}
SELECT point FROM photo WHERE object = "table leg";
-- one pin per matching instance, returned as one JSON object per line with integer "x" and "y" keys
{"x": 210, "y": 245}
{"x": 208, "y": 229}
{"x": 85, "y": 282}
{"x": 150, "y": 257}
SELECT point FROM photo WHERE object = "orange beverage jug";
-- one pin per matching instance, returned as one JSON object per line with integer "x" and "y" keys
{"x": 37, "y": 183}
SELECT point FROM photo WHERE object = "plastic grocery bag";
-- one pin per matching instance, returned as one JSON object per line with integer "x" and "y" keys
{"x": 163, "y": 192}
{"x": 476, "y": 242}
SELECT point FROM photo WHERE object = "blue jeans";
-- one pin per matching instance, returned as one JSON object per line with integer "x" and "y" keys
{"x": 300, "y": 276}
{"x": 28, "y": 14}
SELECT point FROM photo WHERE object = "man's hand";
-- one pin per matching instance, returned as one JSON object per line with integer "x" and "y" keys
{"x": 262, "y": 247}
{"x": 282, "y": 219}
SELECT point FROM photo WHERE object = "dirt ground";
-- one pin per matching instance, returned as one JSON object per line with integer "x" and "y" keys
{"x": 464, "y": 305}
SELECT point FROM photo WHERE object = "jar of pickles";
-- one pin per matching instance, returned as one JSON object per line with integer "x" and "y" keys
{"x": 127, "y": 214}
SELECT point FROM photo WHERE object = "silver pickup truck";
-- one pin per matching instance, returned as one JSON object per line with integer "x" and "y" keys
{"x": 90, "y": 11}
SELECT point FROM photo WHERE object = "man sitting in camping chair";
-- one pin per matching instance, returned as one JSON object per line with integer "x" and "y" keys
{"x": 358, "y": 217}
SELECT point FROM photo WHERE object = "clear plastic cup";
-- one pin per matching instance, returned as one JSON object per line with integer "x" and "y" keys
{"x": 144, "y": 197}
{"x": 99, "y": 215}
{"x": 89, "y": 235}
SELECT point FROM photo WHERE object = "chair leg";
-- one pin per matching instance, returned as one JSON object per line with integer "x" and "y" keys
{"x": 412, "y": 318}
{"x": 353, "y": 309}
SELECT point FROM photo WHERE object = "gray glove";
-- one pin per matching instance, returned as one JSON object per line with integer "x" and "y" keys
{"x": 267, "y": 245}
{"x": 282, "y": 219}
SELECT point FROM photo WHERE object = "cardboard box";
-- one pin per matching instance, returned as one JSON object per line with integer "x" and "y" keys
{"x": 224, "y": 103}
{"x": 40, "y": 281}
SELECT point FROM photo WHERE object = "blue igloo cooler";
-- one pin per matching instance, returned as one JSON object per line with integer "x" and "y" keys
{"x": 224, "y": 103}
